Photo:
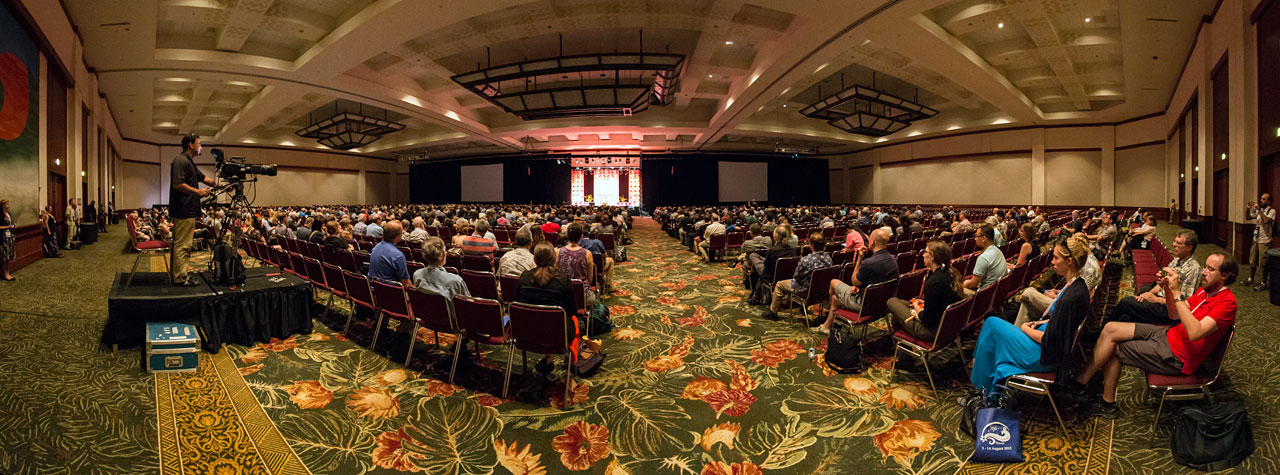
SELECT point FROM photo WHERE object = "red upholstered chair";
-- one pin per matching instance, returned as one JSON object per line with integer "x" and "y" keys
{"x": 358, "y": 293}
{"x": 480, "y": 284}
{"x": 336, "y": 284}
{"x": 1040, "y": 383}
{"x": 716, "y": 246}
{"x": 390, "y": 300}
{"x": 362, "y": 259}
{"x": 508, "y": 284}
{"x": 298, "y": 266}
{"x": 875, "y": 301}
{"x": 431, "y": 311}
{"x": 414, "y": 266}
{"x": 953, "y": 321}
{"x": 153, "y": 246}
{"x": 906, "y": 261}
{"x": 542, "y": 329}
{"x": 911, "y": 284}
{"x": 733, "y": 242}
{"x": 1193, "y": 386}
{"x": 347, "y": 261}
{"x": 315, "y": 274}
{"x": 453, "y": 260}
{"x": 480, "y": 320}
{"x": 819, "y": 290}
{"x": 982, "y": 303}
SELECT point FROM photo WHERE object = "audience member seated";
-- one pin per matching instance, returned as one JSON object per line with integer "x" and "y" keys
{"x": 990, "y": 266}
{"x": 704, "y": 243}
{"x": 1030, "y": 248}
{"x": 332, "y": 239}
{"x": 961, "y": 225}
{"x": 1149, "y": 305}
{"x": 520, "y": 259}
{"x": 920, "y": 318}
{"x": 1106, "y": 233}
{"x": 781, "y": 249}
{"x": 461, "y": 231}
{"x": 386, "y": 263}
{"x": 880, "y": 266}
{"x": 575, "y": 260}
{"x": 1140, "y": 237}
{"x": 1202, "y": 320}
{"x": 477, "y": 244}
{"x": 799, "y": 284}
{"x": 419, "y": 234}
{"x": 433, "y": 278}
{"x": 545, "y": 284}
{"x": 596, "y": 246}
{"x": 1004, "y": 349}
{"x": 375, "y": 229}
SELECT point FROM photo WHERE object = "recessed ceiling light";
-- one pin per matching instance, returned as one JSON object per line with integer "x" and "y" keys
{"x": 784, "y": 105}
{"x": 1088, "y": 19}
{"x": 710, "y": 75}
{"x": 1000, "y": 25}
{"x": 729, "y": 43}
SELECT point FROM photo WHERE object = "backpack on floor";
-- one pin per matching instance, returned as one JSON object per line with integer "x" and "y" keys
{"x": 1212, "y": 438}
{"x": 227, "y": 267}
{"x": 598, "y": 317}
{"x": 844, "y": 352}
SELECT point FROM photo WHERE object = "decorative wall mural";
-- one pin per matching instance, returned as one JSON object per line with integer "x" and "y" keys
{"x": 19, "y": 118}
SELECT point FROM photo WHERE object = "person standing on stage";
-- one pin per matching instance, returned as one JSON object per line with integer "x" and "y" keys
{"x": 184, "y": 206}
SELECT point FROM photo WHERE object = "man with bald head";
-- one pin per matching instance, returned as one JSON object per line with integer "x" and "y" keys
{"x": 386, "y": 262}
{"x": 879, "y": 267}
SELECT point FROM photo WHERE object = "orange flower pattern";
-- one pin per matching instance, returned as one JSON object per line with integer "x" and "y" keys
{"x": 309, "y": 394}
{"x": 700, "y": 387}
{"x": 277, "y": 345}
{"x": 582, "y": 445}
{"x": 740, "y": 468}
{"x": 906, "y": 439}
{"x": 905, "y": 395}
{"x": 622, "y": 310}
{"x": 248, "y": 370}
{"x": 740, "y": 379}
{"x": 731, "y": 402}
{"x": 776, "y": 352}
{"x": 519, "y": 461}
{"x": 390, "y": 452}
{"x": 377, "y": 403}
{"x": 720, "y": 434}
{"x": 672, "y": 360}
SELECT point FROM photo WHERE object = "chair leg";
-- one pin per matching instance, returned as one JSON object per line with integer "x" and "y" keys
{"x": 134, "y": 269}
{"x": 893, "y": 366}
{"x": 524, "y": 362}
{"x": 1159, "y": 409}
{"x": 324, "y": 316}
{"x": 350, "y": 315}
{"x": 925, "y": 359}
{"x": 457, "y": 349}
{"x": 964, "y": 364}
{"x": 373, "y": 346}
{"x": 1054, "y": 405}
{"x": 409, "y": 355}
{"x": 568, "y": 375}
{"x": 506, "y": 381}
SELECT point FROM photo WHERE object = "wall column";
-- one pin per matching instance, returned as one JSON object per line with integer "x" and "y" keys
{"x": 1037, "y": 167}
{"x": 1107, "y": 167}
{"x": 43, "y": 147}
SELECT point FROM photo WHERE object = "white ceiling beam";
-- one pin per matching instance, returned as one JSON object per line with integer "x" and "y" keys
{"x": 204, "y": 90}
{"x": 244, "y": 18}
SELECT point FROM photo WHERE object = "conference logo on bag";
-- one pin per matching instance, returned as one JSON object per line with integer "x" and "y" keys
{"x": 996, "y": 436}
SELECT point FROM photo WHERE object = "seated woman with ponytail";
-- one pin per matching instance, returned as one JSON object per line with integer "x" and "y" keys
{"x": 546, "y": 285}
{"x": 1040, "y": 345}
{"x": 943, "y": 287}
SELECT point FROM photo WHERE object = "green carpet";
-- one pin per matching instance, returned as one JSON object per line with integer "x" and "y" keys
{"x": 695, "y": 382}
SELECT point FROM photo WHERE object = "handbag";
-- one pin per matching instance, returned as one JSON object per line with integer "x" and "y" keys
{"x": 844, "y": 353}
{"x": 998, "y": 429}
{"x": 589, "y": 358}
{"x": 1212, "y": 438}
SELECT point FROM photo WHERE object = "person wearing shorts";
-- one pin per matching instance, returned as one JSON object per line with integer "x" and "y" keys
{"x": 1203, "y": 320}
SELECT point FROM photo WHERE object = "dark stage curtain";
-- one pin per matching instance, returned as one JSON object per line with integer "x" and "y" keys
{"x": 538, "y": 181}
{"x": 435, "y": 183}
{"x": 684, "y": 181}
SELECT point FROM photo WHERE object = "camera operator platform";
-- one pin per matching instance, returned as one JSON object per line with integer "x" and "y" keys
{"x": 184, "y": 207}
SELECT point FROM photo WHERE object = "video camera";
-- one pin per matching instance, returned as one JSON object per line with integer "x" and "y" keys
{"x": 236, "y": 169}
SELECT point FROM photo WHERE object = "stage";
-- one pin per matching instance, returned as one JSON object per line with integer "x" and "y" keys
{"x": 270, "y": 304}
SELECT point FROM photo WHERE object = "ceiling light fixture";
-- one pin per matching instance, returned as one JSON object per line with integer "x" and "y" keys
{"x": 710, "y": 75}
{"x": 348, "y": 127}
{"x": 1088, "y": 19}
{"x": 1000, "y": 25}
{"x": 728, "y": 43}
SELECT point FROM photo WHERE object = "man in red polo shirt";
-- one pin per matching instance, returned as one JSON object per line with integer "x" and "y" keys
{"x": 1170, "y": 350}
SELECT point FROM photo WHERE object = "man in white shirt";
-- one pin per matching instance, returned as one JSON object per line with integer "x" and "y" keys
{"x": 712, "y": 229}
{"x": 1264, "y": 217}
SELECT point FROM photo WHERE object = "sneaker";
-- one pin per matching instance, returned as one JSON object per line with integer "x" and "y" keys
{"x": 1247, "y": 282}
{"x": 821, "y": 329}
{"x": 1260, "y": 287}
{"x": 769, "y": 316}
{"x": 1103, "y": 409}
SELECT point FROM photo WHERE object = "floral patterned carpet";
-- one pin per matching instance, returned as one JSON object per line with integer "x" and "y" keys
{"x": 695, "y": 383}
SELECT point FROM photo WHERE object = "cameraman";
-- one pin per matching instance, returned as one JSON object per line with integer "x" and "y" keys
{"x": 184, "y": 206}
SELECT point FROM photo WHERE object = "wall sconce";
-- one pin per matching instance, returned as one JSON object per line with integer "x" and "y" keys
{"x": 57, "y": 161}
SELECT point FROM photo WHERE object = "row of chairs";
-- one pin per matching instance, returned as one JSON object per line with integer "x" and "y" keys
{"x": 471, "y": 317}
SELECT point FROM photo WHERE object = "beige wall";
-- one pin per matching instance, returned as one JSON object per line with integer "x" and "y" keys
{"x": 861, "y": 185}
{"x": 378, "y": 188}
{"x": 138, "y": 185}
{"x": 1140, "y": 176}
{"x": 1072, "y": 178}
{"x": 976, "y": 180}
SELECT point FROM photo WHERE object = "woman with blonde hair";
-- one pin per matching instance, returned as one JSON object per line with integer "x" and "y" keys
{"x": 1005, "y": 350}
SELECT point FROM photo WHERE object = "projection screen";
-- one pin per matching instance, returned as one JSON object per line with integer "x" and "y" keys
{"x": 482, "y": 183}
{"x": 744, "y": 181}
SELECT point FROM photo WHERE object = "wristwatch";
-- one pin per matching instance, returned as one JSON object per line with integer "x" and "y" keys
{"x": 1181, "y": 298}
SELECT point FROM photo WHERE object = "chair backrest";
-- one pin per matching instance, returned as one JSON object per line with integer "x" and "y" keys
{"x": 480, "y": 284}
{"x": 479, "y": 316}
{"x": 333, "y": 278}
{"x": 362, "y": 258}
{"x": 1213, "y": 364}
{"x": 785, "y": 268}
{"x": 875, "y": 299}
{"x": 453, "y": 260}
{"x": 358, "y": 289}
{"x": 477, "y": 263}
{"x": 579, "y": 293}
{"x": 982, "y": 301}
{"x": 329, "y": 254}
{"x": 414, "y": 266}
{"x": 608, "y": 241}
{"x": 431, "y": 311}
{"x": 911, "y": 284}
{"x": 315, "y": 273}
{"x": 841, "y": 258}
{"x": 540, "y": 328}
{"x": 906, "y": 261}
{"x": 298, "y": 265}
{"x": 717, "y": 241}
{"x": 390, "y": 298}
{"x": 820, "y": 283}
{"x": 508, "y": 284}
{"x": 347, "y": 260}
{"x": 953, "y": 322}
{"x": 733, "y": 239}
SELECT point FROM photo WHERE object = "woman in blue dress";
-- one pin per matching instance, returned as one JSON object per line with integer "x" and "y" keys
{"x": 1005, "y": 350}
